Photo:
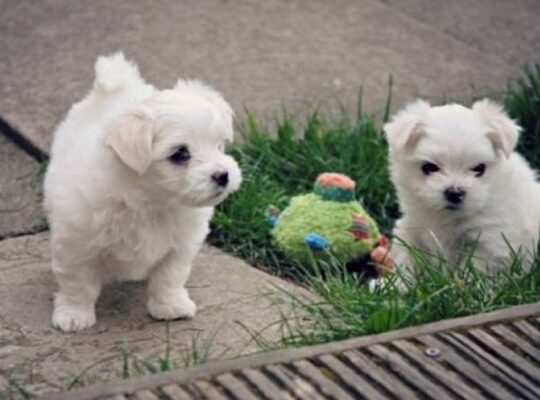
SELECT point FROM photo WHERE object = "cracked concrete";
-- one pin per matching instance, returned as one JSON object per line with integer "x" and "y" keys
{"x": 20, "y": 191}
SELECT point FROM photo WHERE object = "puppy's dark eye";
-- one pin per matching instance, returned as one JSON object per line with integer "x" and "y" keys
{"x": 181, "y": 155}
{"x": 479, "y": 170}
{"x": 429, "y": 168}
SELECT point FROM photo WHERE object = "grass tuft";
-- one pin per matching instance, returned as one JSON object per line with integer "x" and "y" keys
{"x": 439, "y": 291}
{"x": 131, "y": 364}
{"x": 522, "y": 101}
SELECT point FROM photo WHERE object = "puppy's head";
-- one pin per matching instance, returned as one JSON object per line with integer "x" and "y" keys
{"x": 447, "y": 158}
{"x": 174, "y": 142}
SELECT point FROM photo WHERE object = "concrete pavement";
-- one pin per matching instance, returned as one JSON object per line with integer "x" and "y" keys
{"x": 508, "y": 29}
{"x": 233, "y": 300}
{"x": 261, "y": 54}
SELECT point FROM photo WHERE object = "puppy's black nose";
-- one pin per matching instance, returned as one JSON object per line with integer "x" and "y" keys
{"x": 454, "y": 195}
{"x": 221, "y": 178}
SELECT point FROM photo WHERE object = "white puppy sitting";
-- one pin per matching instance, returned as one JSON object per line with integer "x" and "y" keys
{"x": 130, "y": 189}
{"x": 461, "y": 186}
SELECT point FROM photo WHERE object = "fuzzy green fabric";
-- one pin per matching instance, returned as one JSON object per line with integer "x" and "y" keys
{"x": 331, "y": 219}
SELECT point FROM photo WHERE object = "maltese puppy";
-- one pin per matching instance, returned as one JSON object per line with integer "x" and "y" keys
{"x": 461, "y": 186}
{"x": 134, "y": 175}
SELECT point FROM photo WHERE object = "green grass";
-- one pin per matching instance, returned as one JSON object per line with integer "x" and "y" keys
{"x": 15, "y": 390}
{"x": 439, "y": 291}
{"x": 199, "y": 351}
{"x": 282, "y": 162}
{"x": 522, "y": 100}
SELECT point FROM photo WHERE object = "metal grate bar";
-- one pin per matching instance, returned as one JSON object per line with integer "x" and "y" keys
{"x": 469, "y": 370}
{"x": 407, "y": 372}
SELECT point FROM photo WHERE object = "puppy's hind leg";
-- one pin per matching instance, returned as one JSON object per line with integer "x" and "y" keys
{"x": 74, "y": 303}
{"x": 167, "y": 296}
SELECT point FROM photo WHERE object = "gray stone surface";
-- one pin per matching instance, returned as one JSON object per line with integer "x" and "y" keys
{"x": 230, "y": 294}
{"x": 510, "y": 29}
{"x": 20, "y": 191}
{"x": 261, "y": 54}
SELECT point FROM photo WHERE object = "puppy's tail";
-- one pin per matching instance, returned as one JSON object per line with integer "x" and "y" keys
{"x": 114, "y": 73}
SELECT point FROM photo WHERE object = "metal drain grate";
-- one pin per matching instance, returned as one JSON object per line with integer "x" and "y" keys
{"x": 491, "y": 356}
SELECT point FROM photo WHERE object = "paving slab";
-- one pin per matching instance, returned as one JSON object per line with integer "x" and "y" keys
{"x": 20, "y": 191}
{"x": 261, "y": 55}
{"x": 233, "y": 300}
{"x": 509, "y": 29}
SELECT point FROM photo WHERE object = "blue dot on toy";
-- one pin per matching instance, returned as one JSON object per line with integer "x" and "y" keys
{"x": 315, "y": 242}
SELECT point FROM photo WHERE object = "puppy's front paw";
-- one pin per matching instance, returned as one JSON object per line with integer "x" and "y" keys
{"x": 181, "y": 306}
{"x": 69, "y": 318}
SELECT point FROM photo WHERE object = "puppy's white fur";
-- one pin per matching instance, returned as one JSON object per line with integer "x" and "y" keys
{"x": 500, "y": 207}
{"x": 118, "y": 207}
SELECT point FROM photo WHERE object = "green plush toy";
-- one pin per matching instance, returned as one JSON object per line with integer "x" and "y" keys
{"x": 330, "y": 221}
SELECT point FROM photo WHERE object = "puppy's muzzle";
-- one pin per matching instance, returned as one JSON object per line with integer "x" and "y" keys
{"x": 454, "y": 195}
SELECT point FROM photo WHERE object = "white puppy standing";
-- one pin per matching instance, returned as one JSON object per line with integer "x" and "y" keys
{"x": 130, "y": 189}
{"x": 461, "y": 185}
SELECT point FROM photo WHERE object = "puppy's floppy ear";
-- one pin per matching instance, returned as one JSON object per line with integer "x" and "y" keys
{"x": 214, "y": 97}
{"x": 130, "y": 136}
{"x": 407, "y": 126}
{"x": 504, "y": 133}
